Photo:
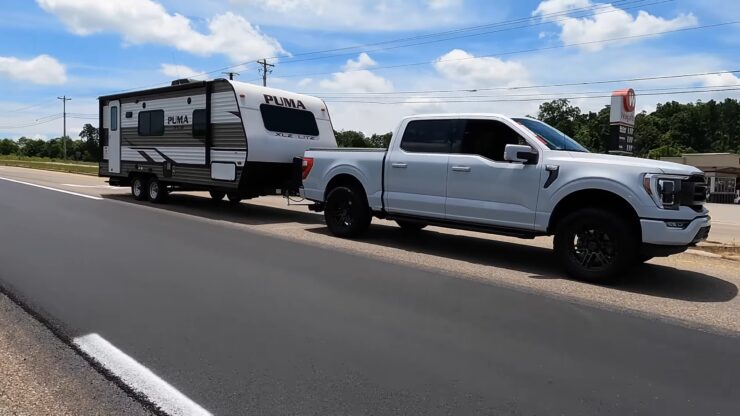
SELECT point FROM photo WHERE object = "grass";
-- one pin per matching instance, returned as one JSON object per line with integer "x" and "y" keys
{"x": 84, "y": 168}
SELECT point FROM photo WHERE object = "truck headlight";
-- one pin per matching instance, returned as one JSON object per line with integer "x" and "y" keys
{"x": 665, "y": 190}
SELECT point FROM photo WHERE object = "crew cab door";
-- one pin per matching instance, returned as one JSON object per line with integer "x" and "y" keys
{"x": 416, "y": 168}
{"x": 482, "y": 188}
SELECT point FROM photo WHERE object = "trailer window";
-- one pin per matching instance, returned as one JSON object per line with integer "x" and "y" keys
{"x": 114, "y": 118}
{"x": 289, "y": 120}
{"x": 151, "y": 123}
{"x": 430, "y": 136}
{"x": 199, "y": 123}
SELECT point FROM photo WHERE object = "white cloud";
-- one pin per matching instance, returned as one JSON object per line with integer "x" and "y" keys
{"x": 180, "y": 71}
{"x": 720, "y": 80}
{"x": 305, "y": 82}
{"x": 356, "y": 78}
{"x": 609, "y": 22}
{"x": 358, "y": 15}
{"x": 364, "y": 61}
{"x": 463, "y": 68}
{"x": 146, "y": 21}
{"x": 443, "y": 4}
{"x": 42, "y": 69}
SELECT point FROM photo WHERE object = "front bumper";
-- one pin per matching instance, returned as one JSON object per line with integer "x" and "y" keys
{"x": 657, "y": 232}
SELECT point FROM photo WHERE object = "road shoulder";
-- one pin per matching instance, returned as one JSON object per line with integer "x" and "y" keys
{"x": 41, "y": 375}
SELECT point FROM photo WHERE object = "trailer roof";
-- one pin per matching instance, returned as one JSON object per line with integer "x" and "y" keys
{"x": 159, "y": 90}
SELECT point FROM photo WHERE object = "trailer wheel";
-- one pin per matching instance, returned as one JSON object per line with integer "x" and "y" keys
{"x": 138, "y": 188}
{"x": 157, "y": 191}
{"x": 411, "y": 226}
{"x": 347, "y": 214}
{"x": 234, "y": 197}
{"x": 596, "y": 245}
{"x": 217, "y": 195}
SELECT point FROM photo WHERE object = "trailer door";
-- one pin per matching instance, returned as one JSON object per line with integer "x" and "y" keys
{"x": 114, "y": 137}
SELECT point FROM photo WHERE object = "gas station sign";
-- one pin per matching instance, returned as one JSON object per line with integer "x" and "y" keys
{"x": 622, "y": 121}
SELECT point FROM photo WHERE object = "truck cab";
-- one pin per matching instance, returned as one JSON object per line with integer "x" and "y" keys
{"x": 514, "y": 176}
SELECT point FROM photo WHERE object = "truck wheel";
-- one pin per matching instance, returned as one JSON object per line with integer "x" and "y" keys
{"x": 234, "y": 197}
{"x": 595, "y": 245}
{"x": 347, "y": 214}
{"x": 157, "y": 191}
{"x": 138, "y": 188}
{"x": 410, "y": 226}
{"x": 217, "y": 195}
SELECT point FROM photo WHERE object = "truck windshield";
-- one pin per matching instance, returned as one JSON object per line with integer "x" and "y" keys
{"x": 550, "y": 136}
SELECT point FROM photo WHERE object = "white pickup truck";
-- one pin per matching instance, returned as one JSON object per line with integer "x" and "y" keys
{"x": 517, "y": 177}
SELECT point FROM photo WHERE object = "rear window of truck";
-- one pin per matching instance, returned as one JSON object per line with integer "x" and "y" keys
{"x": 431, "y": 136}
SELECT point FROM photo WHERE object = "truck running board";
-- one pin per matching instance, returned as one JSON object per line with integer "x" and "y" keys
{"x": 490, "y": 229}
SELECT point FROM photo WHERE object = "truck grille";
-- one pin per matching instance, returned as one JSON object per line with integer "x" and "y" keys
{"x": 694, "y": 192}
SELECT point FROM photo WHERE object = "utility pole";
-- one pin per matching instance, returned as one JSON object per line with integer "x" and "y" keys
{"x": 64, "y": 137}
{"x": 231, "y": 75}
{"x": 266, "y": 69}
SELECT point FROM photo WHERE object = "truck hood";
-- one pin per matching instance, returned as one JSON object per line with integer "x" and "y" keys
{"x": 649, "y": 165}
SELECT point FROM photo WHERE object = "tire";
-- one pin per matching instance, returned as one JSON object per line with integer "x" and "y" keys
{"x": 596, "y": 245}
{"x": 346, "y": 213}
{"x": 156, "y": 191}
{"x": 217, "y": 195}
{"x": 411, "y": 226}
{"x": 138, "y": 188}
{"x": 234, "y": 197}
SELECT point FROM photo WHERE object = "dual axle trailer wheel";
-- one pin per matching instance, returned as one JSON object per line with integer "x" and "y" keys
{"x": 151, "y": 189}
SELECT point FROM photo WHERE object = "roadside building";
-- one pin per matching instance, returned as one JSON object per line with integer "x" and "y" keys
{"x": 722, "y": 170}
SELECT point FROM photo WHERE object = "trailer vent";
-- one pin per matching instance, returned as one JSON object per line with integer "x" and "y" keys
{"x": 182, "y": 81}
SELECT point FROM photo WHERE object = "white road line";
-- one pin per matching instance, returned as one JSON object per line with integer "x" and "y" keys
{"x": 138, "y": 377}
{"x": 52, "y": 189}
{"x": 91, "y": 186}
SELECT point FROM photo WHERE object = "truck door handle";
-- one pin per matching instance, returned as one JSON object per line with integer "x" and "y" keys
{"x": 461, "y": 168}
{"x": 399, "y": 165}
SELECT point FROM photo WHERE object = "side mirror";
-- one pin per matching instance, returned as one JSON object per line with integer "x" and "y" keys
{"x": 520, "y": 154}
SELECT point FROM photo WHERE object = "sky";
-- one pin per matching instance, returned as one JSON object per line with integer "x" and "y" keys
{"x": 373, "y": 61}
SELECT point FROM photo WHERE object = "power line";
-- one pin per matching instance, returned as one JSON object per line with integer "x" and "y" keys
{"x": 433, "y": 34}
{"x": 570, "y": 84}
{"x": 544, "y": 22}
{"x": 30, "y": 106}
{"x": 439, "y": 101}
{"x": 553, "y": 95}
{"x": 466, "y": 29}
{"x": 43, "y": 120}
{"x": 621, "y": 38}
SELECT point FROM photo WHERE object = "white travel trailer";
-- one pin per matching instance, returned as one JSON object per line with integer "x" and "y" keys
{"x": 226, "y": 137}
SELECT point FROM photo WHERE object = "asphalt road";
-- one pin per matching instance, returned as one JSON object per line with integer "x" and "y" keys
{"x": 244, "y": 323}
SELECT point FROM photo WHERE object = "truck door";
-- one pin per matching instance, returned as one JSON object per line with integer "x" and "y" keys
{"x": 416, "y": 168}
{"x": 114, "y": 137}
{"x": 482, "y": 188}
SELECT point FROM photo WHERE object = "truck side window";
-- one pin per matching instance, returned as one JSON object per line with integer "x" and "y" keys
{"x": 430, "y": 136}
{"x": 486, "y": 138}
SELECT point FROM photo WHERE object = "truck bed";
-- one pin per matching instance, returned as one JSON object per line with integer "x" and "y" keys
{"x": 364, "y": 164}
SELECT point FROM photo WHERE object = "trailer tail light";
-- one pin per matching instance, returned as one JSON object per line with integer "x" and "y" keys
{"x": 307, "y": 166}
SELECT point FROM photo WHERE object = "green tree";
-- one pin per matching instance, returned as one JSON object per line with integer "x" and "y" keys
{"x": 31, "y": 147}
{"x": 89, "y": 146}
{"x": 561, "y": 115}
{"x": 350, "y": 138}
{"x": 8, "y": 147}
